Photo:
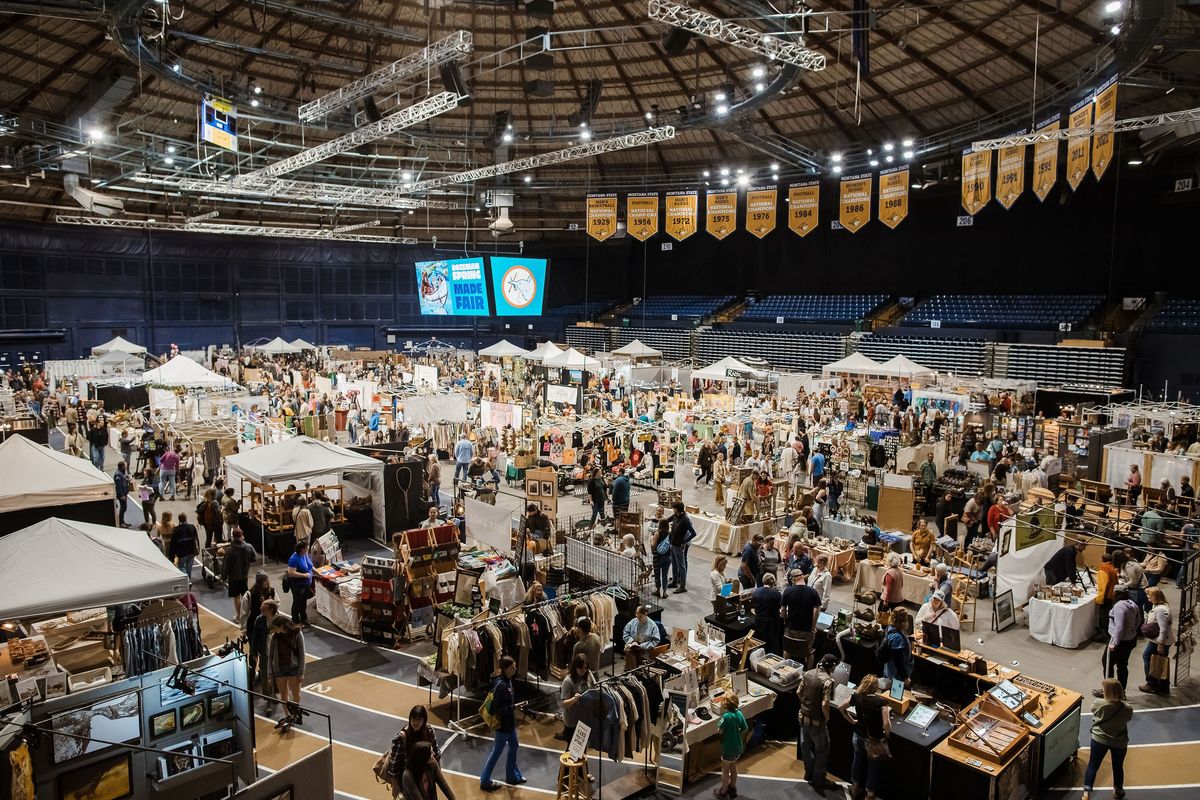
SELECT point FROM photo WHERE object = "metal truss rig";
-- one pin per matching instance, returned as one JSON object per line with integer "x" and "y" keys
{"x": 648, "y": 136}
{"x": 710, "y": 27}
{"x": 454, "y": 47}
{"x": 399, "y": 120}
{"x": 229, "y": 228}
{"x": 304, "y": 191}
{"x": 1119, "y": 126}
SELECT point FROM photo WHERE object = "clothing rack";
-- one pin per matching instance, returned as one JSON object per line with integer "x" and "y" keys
{"x": 138, "y": 640}
{"x": 647, "y": 668}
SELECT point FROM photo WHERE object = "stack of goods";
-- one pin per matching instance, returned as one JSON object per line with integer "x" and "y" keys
{"x": 341, "y": 577}
{"x": 432, "y": 556}
{"x": 22, "y": 650}
{"x": 378, "y": 601}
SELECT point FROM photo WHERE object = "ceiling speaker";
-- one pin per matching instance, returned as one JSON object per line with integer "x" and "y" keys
{"x": 453, "y": 81}
{"x": 676, "y": 41}
{"x": 539, "y": 9}
{"x": 539, "y": 88}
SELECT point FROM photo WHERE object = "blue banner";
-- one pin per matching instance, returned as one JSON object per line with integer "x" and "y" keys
{"x": 519, "y": 285}
{"x": 454, "y": 287}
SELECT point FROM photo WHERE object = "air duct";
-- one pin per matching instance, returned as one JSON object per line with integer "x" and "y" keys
{"x": 92, "y": 201}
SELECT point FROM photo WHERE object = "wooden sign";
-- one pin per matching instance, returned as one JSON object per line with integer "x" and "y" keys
{"x": 641, "y": 215}
{"x": 720, "y": 213}
{"x": 854, "y": 205}
{"x": 804, "y": 207}
{"x": 893, "y": 196}
{"x": 681, "y": 214}
{"x": 760, "y": 211}
{"x": 601, "y": 216}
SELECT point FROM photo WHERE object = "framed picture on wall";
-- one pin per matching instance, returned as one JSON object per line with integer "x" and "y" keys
{"x": 178, "y": 759}
{"x": 219, "y": 705}
{"x": 532, "y": 488}
{"x": 547, "y": 488}
{"x": 191, "y": 714}
{"x": 1006, "y": 613}
{"x": 106, "y": 779}
{"x": 163, "y": 724}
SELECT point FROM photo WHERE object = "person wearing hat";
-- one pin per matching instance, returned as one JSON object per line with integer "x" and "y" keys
{"x": 800, "y": 606}
{"x": 816, "y": 695}
{"x": 239, "y": 558}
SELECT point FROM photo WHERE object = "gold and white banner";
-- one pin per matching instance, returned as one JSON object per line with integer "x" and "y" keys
{"x": 720, "y": 213}
{"x": 1106, "y": 114}
{"x": 601, "y": 216}
{"x": 1079, "y": 148}
{"x": 804, "y": 201}
{"x": 641, "y": 215}
{"x": 681, "y": 214}
{"x": 976, "y": 180}
{"x": 893, "y": 196}
{"x": 760, "y": 211}
{"x": 854, "y": 204}
{"x": 1045, "y": 159}
{"x": 1010, "y": 173}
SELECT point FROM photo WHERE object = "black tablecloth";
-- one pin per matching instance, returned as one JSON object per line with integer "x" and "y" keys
{"x": 906, "y": 774}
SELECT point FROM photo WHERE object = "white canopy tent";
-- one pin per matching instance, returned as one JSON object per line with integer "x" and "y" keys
{"x": 636, "y": 349}
{"x": 905, "y": 367}
{"x": 182, "y": 371}
{"x": 277, "y": 346}
{"x": 544, "y": 351}
{"x": 572, "y": 359}
{"x": 33, "y": 476}
{"x": 105, "y": 566}
{"x": 120, "y": 345}
{"x": 855, "y": 364}
{"x": 304, "y": 459}
{"x": 503, "y": 349}
{"x": 300, "y": 344}
{"x": 720, "y": 370}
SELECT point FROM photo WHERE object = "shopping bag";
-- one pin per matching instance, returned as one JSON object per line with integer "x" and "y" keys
{"x": 1160, "y": 667}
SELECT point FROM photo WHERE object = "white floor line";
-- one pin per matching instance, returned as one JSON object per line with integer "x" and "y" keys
{"x": 1150, "y": 710}
{"x": 375, "y": 753}
{"x": 1128, "y": 789}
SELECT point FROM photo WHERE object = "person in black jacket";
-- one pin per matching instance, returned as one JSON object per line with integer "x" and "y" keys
{"x": 185, "y": 545}
{"x": 598, "y": 493}
{"x": 504, "y": 707}
{"x": 682, "y": 534}
{"x": 766, "y": 601}
{"x": 1061, "y": 566}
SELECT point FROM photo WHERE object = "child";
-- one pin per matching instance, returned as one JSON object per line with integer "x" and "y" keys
{"x": 731, "y": 726}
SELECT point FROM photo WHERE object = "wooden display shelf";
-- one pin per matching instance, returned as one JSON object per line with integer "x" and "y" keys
{"x": 992, "y": 733}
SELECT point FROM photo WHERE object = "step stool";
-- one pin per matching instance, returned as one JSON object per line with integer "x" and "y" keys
{"x": 573, "y": 781}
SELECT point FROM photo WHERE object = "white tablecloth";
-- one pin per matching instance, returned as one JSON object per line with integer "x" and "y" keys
{"x": 842, "y": 529}
{"x": 722, "y": 537}
{"x": 870, "y": 576}
{"x": 1062, "y": 624}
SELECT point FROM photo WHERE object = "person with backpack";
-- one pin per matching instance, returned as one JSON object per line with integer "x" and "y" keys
{"x": 208, "y": 514}
{"x": 258, "y": 659}
{"x": 230, "y": 508}
{"x": 239, "y": 558}
{"x": 1111, "y": 715}
{"x": 185, "y": 545}
{"x": 499, "y": 711}
{"x": 894, "y": 651}
{"x": 122, "y": 484}
{"x": 285, "y": 659}
{"x": 404, "y": 744}
{"x": 662, "y": 557}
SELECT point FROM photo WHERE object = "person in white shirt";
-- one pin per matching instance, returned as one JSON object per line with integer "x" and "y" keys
{"x": 938, "y": 613}
{"x": 822, "y": 580}
{"x": 717, "y": 576}
{"x": 432, "y": 521}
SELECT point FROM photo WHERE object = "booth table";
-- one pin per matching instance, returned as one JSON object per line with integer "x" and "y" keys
{"x": 1062, "y": 624}
{"x": 842, "y": 529}
{"x": 725, "y": 537}
{"x": 870, "y": 576}
{"x": 346, "y": 614}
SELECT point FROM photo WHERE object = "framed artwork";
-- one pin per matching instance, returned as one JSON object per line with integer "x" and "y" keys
{"x": 191, "y": 714}
{"x": 221, "y": 744}
{"x": 20, "y": 767}
{"x": 532, "y": 488}
{"x": 106, "y": 779}
{"x": 219, "y": 705}
{"x": 28, "y": 690}
{"x": 178, "y": 759}
{"x": 56, "y": 685}
{"x": 1006, "y": 614}
{"x": 547, "y": 488}
{"x": 163, "y": 724}
{"x": 114, "y": 719}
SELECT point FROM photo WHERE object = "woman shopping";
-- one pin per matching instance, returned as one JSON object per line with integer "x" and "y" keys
{"x": 300, "y": 582}
{"x": 1110, "y": 736}
{"x": 285, "y": 655}
{"x": 872, "y": 724}
{"x": 415, "y": 733}
{"x": 1160, "y": 636}
{"x": 504, "y": 708}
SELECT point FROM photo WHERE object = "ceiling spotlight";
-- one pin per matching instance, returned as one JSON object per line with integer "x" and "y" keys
{"x": 169, "y": 160}
{"x": 706, "y": 173}
{"x": 254, "y": 102}
{"x": 170, "y": 148}
{"x": 583, "y": 124}
{"x": 744, "y": 180}
{"x": 775, "y": 167}
{"x": 888, "y": 147}
{"x": 649, "y": 115}
{"x": 585, "y": 134}
{"x": 720, "y": 96}
{"x": 870, "y": 152}
{"x": 529, "y": 179}
{"x": 1115, "y": 30}
{"x": 837, "y": 169}
{"x": 96, "y": 134}
{"x": 908, "y": 143}
{"x": 724, "y": 181}
{"x": 759, "y": 72}
{"x": 888, "y": 159}
{"x": 740, "y": 171}
{"x": 478, "y": 209}
{"x": 874, "y": 162}
{"x": 760, "y": 86}
{"x": 1112, "y": 7}
{"x": 5, "y": 165}
{"x": 724, "y": 170}
{"x": 722, "y": 109}
{"x": 406, "y": 176}
{"x": 508, "y": 127}
{"x": 508, "y": 137}
{"x": 1134, "y": 162}
{"x": 836, "y": 157}
{"x": 257, "y": 89}
{"x": 177, "y": 67}
{"x": 411, "y": 212}
{"x": 908, "y": 154}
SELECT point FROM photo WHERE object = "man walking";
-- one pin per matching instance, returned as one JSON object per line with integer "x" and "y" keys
{"x": 462, "y": 457}
{"x": 929, "y": 478}
{"x": 682, "y": 534}
{"x": 123, "y": 483}
{"x": 620, "y": 492}
{"x": 1123, "y": 624}
{"x": 230, "y": 508}
{"x": 239, "y": 558}
{"x": 816, "y": 693}
{"x": 168, "y": 467}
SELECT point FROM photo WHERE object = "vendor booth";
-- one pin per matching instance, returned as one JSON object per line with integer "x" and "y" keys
{"x": 543, "y": 351}
{"x": 905, "y": 368}
{"x": 302, "y": 345}
{"x": 277, "y": 346}
{"x": 118, "y": 345}
{"x": 37, "y": 483}
{"x": 855, "y": 364}
{"x": 638, "y": 352}
{"x": 260, "y": 478}
{"x": 503, "y": 349}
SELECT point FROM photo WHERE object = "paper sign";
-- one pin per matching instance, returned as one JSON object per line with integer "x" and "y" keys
{"x": 691, "y": 683}
{"x": 738, "y": 681}
{"x": 579, "y": 741}
{"x": 716, "y": 636}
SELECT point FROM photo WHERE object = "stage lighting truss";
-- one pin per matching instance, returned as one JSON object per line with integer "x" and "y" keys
{"x": 398, "y": 120}
{"x": 710, "y": 27}
{"x": 232, "y": 229}
{"x": 303, "y": 191}
{"x": 454, "y": 47}
{"x": 1119, "y": 126}
{"x": 585, "y": 150}
{"x": 201, "y": 217}
{"x": 358, "y": 226}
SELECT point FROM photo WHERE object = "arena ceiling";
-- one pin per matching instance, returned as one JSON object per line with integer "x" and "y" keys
{"x": 99, "y": 103}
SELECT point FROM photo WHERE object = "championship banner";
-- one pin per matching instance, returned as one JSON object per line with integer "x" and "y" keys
{"x": 681, "y": 214}
{"x": 218, "y": 122}
{"x": 720, "y": 213}
{"x": 641, "y": 215}
{"x": 804, "y": 200}
{"x": 893, "y": 196}
{"x": 976, "y": 180}
{"x": 760, "y": 211}
{"x": 601, "y": 216}
{"x": 1079, "y": 148}
{"x": 1045, "y": 159}
{"x": 1010, "y": 173}
{"x": 854, "y": 207}
{"x": 1106, "y": 114}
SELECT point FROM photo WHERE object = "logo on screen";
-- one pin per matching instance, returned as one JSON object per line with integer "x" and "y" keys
{"x": 519, "y": 286}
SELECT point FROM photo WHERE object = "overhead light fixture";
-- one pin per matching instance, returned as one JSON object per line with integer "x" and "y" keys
{"x": 1112, "y": 7}
{"x": 411, "y": 212}
{"x": 169, "y": 160}
{"x": 1134, "y": 162}
{"x": 722, "y": 109}
{"x": 254, "y": 102}
{"x": 744, "y": 180}
{"x": 759, "y": 71}
{"x": 585, "y": 134}
{"x": 915, "y": 185}
{"x": 874, "y": 162}
{"x": 908, "y": 155}
{"x": 870, "y": 151}
{"x": 888, "y": 147}
{"x": 170, "y": 148}
{"x": 507, "y": 137}
{"x": 583, "y": 124}
{"x": 908, "y": 143}
{"x": 5, "y": 165}
{"x": 724, "y": 170}
{"x": 478, "y": 210}
{"x": 406, "y": 176}
{"x": 649, "y": 115}
{"x": 96, "y": 134}
{"x": 837, "y": 169}
{"x": 740, "y": 171}
{"x": 719, "y": 96}
{"x": 177, "y": 67}
{"x": 529, "y": 179}
{"x": 775, "y": 167}
{"x": 888, "y": 159}
{"x": 836, "y": 157}
{"x": 724, "y": 181}
{"x": 1115, "y": 30}
{"x": 257, "y": 89}
{"x": 760, "y": 86}
{"x": 706, "y": 173}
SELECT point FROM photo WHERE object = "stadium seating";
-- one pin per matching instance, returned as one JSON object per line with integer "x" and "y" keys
{"x": 1014, "y": 311}
{"x": 687, "y": 306}
{"x": 1177, "y": 315}
{"x": 579, "y": 311}
{"x": 814, "y": 307}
